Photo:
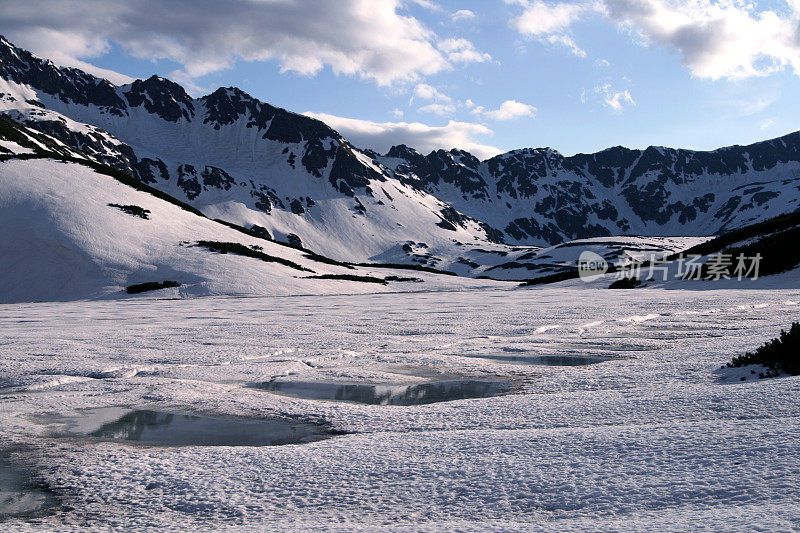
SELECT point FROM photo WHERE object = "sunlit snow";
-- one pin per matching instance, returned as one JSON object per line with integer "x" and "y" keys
{"x": 655, "y": 436}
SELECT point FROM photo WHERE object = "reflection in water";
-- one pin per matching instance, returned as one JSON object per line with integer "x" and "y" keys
{"x": 416, "y": 394}
{"x": 169, "y": 429}
{"x": 19, "y": 495}
{"x": 546, "y": 360}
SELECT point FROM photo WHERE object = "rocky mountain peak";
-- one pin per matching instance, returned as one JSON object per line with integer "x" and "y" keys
{"x": 277, "y": 163}
{"x": 161, "y": 97}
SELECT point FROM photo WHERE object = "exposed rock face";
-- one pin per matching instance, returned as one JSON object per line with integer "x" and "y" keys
{"x": 231, "y": 156}
{"x": 245, "y": 161}
{"x": 539, "y": 196}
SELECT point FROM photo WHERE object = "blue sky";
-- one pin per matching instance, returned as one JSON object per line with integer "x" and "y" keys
{"x": 486, "y": 76}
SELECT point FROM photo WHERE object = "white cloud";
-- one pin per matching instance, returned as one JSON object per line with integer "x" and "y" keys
{"x": 381, "y": 136}
{"x": 439, "y": 109}
{"x": 539, "y": 18}
{"x": 426, "y": 92}
{"x": 508, "y": 110}
{"x": 732, "y": 39}
{"x": 462, "y": 51}
{"x": 549, "y": 22}
{"x": 188, "y": 83}
{"x": 720, "y": 39}
{"x": 397, "y": 113}
{"x": 767, "y": 124}
{"x": 567, "y": 42}
{"x": 616, "y": 100}
{"x": 64, "y": 48}
{"x": 427, "y": 4}
{"x": 748, "y": 106}
{"x": 372, "y": 39}
{"x": 462, "y": 14}
{"x": 609, "y": 97}
{"x": 602, "y": 63}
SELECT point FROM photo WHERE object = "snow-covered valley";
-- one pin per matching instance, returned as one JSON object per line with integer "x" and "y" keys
{"x": 655, "y": 436}
{"x": 218, "y": 314}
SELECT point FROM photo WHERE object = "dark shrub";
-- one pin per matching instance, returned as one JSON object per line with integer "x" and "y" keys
{"x": 254, "y": 252}
{"x": 626, "y": 283}
{"x": 779, "y": 223}
{"x": 132, "y": 182}
{"x": 254, "y": 231}
{"x": 779, "y": 252}
{"x": 261, "y": 231}
{"x": 779, "y": 355}
{"x": 151, "y": 286}
{"x": 401, "y": 278}
{"x": 134, "y": 210}
{"x": 349, "y": 277}
{"x": 403, "y": 266}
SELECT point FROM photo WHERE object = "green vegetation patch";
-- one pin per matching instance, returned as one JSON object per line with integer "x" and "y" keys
{"x": 403, "y": 266}
{"x": 772, "y": 225}
{"x": 252, "y": 251}
{"x": 134, "y": 210}
{"x": 779, "y": 252}
{"x": 350, "y": 277}
{"x": 402, "y": 278}
{"x": 151, "y": 286}
{"x": 626, "y": 283}
{"x": 778, "y": 355}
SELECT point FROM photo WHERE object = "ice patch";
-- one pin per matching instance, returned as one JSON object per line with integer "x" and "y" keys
{"x": 39, "y": 382}
{"x": 544, "y": 360}
{"x": 156, "y": 428}
{"x": 19, "y": 495}
{"x": 390, "y": 394}
{"x": 118, "y": 373}
{"x": 640, "y": 318}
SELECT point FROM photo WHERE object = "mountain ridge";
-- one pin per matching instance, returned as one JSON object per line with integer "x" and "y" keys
{"x": 236, "y": 158}
{"x": 646, "y": 179}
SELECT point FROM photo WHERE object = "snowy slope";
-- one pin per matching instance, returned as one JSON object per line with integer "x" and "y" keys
{"x": 763, "y": 255}
{"x": 233, "y": 157}
{"x": 63, "y": 241}
{"x": 530, "y": 263}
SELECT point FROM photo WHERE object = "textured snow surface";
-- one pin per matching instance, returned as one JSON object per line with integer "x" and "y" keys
{"x": 655, "y": 438}
{"x": 63, "y": 241}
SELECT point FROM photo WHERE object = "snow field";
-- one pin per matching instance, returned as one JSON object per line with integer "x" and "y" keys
{"x": 655, "y": 438}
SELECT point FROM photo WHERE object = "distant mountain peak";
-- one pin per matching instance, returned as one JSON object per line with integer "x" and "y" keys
{"x": 161, "y": 97}
{"x": 259, "y": 165}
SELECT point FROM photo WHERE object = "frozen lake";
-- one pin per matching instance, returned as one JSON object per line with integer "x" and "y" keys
{"x": 157, "y": 428}
{"x": 388, "y": 393}
{"x": 600, "y": 410}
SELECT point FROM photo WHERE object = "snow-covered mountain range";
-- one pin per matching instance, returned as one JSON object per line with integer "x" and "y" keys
{"x": 234, "y": 158}
{"x": 294, "y": 179}
{"x": 539, "y": 196}
{"x": 73, "y": 229}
